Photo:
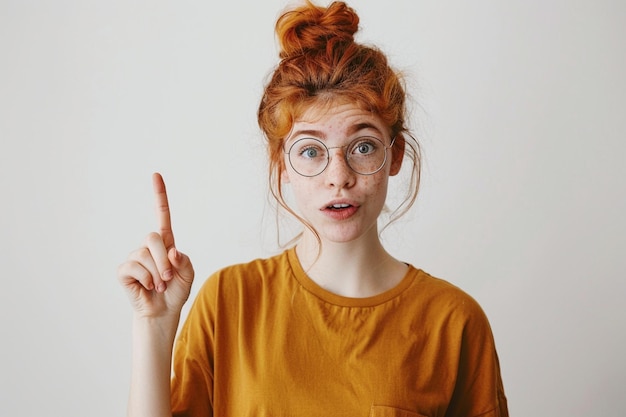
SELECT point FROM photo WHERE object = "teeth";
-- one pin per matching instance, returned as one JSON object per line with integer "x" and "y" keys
{"x": 338, "y": 206}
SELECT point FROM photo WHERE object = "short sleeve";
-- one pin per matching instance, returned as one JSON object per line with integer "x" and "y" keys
{"x": 478, "y": 389}
{"x": 192, "y": 371}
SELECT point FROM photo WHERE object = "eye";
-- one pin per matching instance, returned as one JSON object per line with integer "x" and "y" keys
{"x": 364, "y": 146}
{"x": 309, "y": 152}
{"x": 308, "y": 148}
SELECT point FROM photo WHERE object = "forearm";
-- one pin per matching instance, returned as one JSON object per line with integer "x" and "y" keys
{"x": 152, "y": 343}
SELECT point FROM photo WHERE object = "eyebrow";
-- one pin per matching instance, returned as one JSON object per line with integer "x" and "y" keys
{"x": 363, "y": 126}
{"x": 309, "y": 132}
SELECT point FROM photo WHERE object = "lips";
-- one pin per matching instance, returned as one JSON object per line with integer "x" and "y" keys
{"x": 340, "y": 210}
{"x": 340, "y": 204}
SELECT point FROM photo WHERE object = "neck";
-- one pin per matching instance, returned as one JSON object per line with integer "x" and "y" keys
{"x": 361, "y": 268}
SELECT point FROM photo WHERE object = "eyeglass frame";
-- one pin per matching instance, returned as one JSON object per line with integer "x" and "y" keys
{"x": 345, "y": 154}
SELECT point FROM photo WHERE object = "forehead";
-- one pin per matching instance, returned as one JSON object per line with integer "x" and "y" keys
{"x": 338, "y": 117}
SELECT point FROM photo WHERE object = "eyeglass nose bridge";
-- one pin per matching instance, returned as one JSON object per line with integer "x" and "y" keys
{"x": 345, "y": 156}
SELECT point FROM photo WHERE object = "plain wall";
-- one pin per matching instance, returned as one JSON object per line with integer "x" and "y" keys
{"x": 519, "y": 107}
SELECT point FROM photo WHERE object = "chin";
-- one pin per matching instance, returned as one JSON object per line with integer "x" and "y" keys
{"x": 342, "y": 236}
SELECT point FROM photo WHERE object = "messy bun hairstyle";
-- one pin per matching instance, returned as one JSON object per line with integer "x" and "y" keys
{"x": 322, "y": 64}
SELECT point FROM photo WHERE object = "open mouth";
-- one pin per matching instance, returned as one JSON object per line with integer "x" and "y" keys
{"x": 341, "y": 211}
{"x": 339, "y": 206}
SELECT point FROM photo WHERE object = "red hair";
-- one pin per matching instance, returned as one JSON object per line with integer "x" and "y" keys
{"x": 322, "y": 64}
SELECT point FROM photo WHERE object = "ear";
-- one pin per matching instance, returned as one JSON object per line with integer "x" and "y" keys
{"x": 397, "y": 155}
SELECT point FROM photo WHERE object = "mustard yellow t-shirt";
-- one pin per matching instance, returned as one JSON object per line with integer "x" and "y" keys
{"x": 262, "y": 339}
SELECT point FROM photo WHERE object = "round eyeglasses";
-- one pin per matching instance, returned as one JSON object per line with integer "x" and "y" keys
{"x": 365, "y": 155}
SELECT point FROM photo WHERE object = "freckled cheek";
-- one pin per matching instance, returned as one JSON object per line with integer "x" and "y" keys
{"x": 375, "y": 184}
{"x": 374, "y": 181}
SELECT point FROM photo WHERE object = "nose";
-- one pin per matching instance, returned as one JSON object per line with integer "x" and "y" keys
{"x": 338, "y": 173}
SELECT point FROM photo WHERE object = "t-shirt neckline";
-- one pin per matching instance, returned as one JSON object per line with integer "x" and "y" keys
{"x": 311, "y": 286}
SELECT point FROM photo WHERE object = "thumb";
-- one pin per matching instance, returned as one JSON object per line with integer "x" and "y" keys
{"x": 181, "y": 263}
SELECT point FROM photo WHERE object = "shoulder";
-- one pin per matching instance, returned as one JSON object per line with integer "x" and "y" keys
{"x": 246, "y": 277}
{"x": 444, "y": 300}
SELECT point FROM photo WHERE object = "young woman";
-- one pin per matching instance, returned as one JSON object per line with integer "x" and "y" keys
{"x": 335, "y": 325}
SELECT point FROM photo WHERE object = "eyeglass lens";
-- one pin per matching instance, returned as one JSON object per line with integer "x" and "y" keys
{"x": 365, "y": 155}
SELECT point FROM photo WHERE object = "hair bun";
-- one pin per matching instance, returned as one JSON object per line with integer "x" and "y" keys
{"x": 311, "y": 28}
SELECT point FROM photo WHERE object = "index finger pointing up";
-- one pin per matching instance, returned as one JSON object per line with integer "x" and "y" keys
{"x": 163, "y": 210}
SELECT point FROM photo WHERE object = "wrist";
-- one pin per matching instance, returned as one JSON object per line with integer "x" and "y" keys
{"x": 162, "y": 327}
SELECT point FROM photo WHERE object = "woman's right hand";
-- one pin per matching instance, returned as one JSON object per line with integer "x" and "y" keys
{"x": 157, "y": 277}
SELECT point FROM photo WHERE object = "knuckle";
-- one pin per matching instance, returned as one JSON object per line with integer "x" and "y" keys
{"x": 153, "y": 238}
{"x": 121, "y": 270}
{"x": 140, "y": 254}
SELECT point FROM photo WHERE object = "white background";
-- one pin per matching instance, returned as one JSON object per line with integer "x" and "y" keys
{"x": 519, "y": 105}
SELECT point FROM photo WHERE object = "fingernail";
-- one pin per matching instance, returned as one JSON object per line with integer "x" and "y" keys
{"x": 161, "y": 287}
{"x": 167, "y": 274}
